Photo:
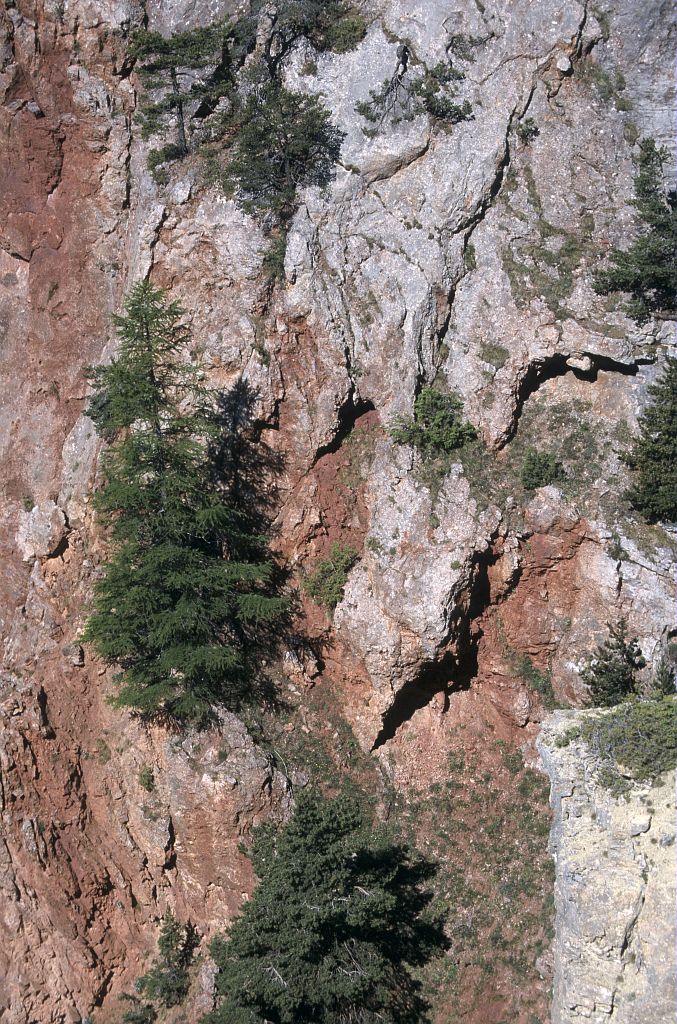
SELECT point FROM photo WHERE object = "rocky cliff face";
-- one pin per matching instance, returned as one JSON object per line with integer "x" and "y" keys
{"x": 615, "y": 889}
{"x": 465, "y": 254}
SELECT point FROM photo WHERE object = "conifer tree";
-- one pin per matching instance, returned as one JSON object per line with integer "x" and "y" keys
{"x": 611, "y": 672}
{"x": 331, "y": 934}
{"x": 168, "y": 66}
{"x": 166, "y": 982}
{"x": 282, "y": 142}
{"x": 334, "y": 26}
{"x": 648, "y": 269}
{"x": 664, "y": 676}
{"x": 653, "y": 454}
{"x": 186, "y": 593}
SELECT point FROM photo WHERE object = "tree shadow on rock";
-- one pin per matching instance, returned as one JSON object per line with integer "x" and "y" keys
{"x": 245, "y": 469}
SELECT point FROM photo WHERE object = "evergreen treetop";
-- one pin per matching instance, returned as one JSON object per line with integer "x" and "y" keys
{"x": 334, "y": 928}
{"x": 188, "y": 590}
{"x": 648, "y": 269}
{"x": 653, "y": 453}
{"x": 611, "y": 673}
{"x": 169, "y": 64}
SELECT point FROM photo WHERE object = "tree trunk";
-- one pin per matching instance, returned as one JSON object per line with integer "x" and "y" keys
{"x": 180, "y": 126}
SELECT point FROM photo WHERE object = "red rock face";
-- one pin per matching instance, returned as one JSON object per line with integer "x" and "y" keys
{"x": 89, "y": 858}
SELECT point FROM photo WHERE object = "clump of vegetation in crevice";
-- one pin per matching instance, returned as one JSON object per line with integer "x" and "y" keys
{"x": 146, "y": 778}
{"x": 437, "y": 431}
{"x": 540, "y": 468}
{"x": 527, "y": 130}
{"x": 220, "y": 91}
{"x": 492, "y": 352}
{"x": 647, "y": 271}
{"x": 437, "y": 427}
{"x": 609, "y": 87}
{"x": 539, "y": 681}
{"x": 522, "y": 665}
{"x": 338, "y": 928}
{"x": 408, "y": 93}
{"x": 652, "y": 456}
{"x": 635, "y": 741}
{"x": 166, "y": 983}
{"x": 326, "y": 582}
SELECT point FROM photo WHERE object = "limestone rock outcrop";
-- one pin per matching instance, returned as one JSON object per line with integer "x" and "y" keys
{"x": 614, "y": 891}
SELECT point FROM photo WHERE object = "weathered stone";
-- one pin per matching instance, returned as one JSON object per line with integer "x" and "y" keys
{"x": 614, "y": 898}
{"x": 416, "y": 264}
{"x": 41, "y": 531}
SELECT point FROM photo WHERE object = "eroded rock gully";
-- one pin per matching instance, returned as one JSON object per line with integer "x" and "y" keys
{"x": 425, "y": 255}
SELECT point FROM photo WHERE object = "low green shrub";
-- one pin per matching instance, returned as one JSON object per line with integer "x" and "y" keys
{"x": 437, "y": 427}
{"x": 527, "y": 130}
{"x": 539, "y": 681}
{"x": 326, "y": 582}
{"x": 540, "y": 469}
{"x": 157, "y": 158}
{"x": 146, "y": 778}
{"x": 344, "y": 34}
{"x": 640, "y": 737}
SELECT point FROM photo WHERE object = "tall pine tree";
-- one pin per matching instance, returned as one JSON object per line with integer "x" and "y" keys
{"x": 187, "y": 591}
{"x": 653, "y": 454}
{"x": 334, "y": 929}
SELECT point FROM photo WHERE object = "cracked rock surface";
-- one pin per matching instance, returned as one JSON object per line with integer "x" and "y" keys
{"x": 464, "y": 256}
{"x": 614, "y": 890}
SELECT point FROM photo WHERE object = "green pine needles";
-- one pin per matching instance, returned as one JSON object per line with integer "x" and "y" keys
{"x": 540, "y": 469}
{"x": 168, "y": 68}
{"x": 220, "y": 93}
{"x": 647, "y": 271}
{"x": 653, "y": 454}
{"x": 611, "y": 673}
{"x": 187, "y": 591}
{"x": 281, "y": 142}
{"x": 432, "y": 91}
{"x": 437, "y": 427}
{"x": 167, "y": 981}
{"x": 335, "y": 930}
